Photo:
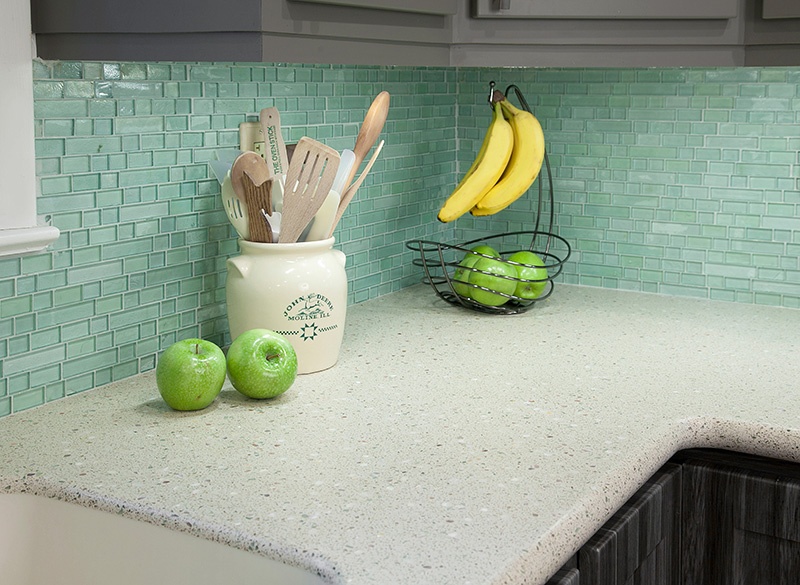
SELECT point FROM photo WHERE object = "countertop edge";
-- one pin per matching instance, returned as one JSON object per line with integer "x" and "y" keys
{"x": 312, "y": 561}
{"x": 702, "y": 431}
{"x": 697, "y": 432}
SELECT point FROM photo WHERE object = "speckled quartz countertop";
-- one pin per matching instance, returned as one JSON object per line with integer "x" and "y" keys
{"x": 446, "y": 446}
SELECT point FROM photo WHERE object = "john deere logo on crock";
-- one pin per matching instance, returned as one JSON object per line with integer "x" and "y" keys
{"x": 305, "y": 312}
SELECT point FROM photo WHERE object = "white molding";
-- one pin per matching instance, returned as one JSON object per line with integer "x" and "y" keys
{"x": 18, "y": 241}
{"x": 19, "y": 232}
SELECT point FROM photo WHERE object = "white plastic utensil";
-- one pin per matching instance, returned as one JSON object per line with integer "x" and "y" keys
{"x": 235, "y": 208}
{"x": 277, "y": 192}
{"x": 222, "y": 162}
{"x": 322, "y": 223}
{"x": 274, "y": 221}
{"x": 351, "y": 190}
{"x": 346, "y": 161}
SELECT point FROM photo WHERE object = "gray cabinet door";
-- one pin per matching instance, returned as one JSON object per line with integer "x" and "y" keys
{"x": 639, "y": 9}
{"x": 441, "y": 7}
{"x": 639, "y": 545}
{"x": 780, "y": 9}
{"x": 742, "y": 520}
{"x": 287, "y": 31}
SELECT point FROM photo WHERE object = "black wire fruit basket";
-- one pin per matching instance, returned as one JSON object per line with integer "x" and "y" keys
{"x": 450, "y": 269}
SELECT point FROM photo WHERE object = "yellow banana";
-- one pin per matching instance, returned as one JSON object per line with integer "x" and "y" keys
{"x": 524, "y": 165}
{"x": 485, "y": 170}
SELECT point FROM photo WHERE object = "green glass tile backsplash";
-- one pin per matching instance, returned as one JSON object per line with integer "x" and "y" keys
{"x": 677, "y": 181}
{"x": 674, "y": 181}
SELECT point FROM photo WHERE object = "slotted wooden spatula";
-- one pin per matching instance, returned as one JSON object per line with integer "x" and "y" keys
{"x": 308, "y": 181}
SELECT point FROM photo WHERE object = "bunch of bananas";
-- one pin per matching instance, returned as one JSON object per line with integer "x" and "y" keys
{"x": 507, "y": 164}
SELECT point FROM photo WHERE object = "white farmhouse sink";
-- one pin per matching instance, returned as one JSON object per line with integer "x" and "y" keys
{"x": 45, "y": 541}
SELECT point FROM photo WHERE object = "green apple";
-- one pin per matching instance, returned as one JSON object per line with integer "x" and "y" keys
{"x": 463, "y": 272}
{"x": 261, "y": 363}
{"x": 497, "y": 276}
{"x": 535, "y": 278}
{"x": 190, "y": 374}
{"x": 486, "y": 250}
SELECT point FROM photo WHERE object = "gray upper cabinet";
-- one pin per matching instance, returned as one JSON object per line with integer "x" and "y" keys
{"x": 323, "y": 31}
{"x": 772, "y": 32}
{"x": 781, "y": 9}
{"x": 441, "y": 7}
{"x": 493, "y": 33}
{"x": 601, "y": 9}
{"x": 625, "y": 33}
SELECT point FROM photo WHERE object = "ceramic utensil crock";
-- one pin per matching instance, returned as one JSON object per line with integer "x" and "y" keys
{"x": 298, "y": 290}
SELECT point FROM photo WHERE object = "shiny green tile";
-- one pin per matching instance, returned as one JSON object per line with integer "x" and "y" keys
{"x": 659, "y": 174}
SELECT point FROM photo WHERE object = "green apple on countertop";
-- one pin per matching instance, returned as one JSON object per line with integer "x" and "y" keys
{"x": 261, "y": 363}
{"x": 531, "y": 273}
{"x": 190, "y": 374}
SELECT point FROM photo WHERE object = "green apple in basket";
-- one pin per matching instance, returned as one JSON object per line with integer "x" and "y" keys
{"x": 497, "y": 276}
{"x": 463, "y": 272}
{"x": 531, "y": 273}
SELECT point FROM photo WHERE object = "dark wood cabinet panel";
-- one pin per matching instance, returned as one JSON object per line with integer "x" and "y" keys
{"x": 640, "y": 544}
{"x": 708, "y": 517}
{"x": 568, "y": 574}
{"x": 741, "y": 523}
{"x": 566, "y": 577}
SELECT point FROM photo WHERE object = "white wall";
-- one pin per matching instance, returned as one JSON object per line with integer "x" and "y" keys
{"x": 19, "y": 232}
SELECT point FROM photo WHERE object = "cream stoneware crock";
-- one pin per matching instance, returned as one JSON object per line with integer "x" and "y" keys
{"x": 298, "y": 290}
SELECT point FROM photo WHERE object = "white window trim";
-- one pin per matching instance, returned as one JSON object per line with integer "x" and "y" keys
{"x": 20, "y": 230}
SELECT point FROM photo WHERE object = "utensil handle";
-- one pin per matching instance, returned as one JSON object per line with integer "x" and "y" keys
{"x": 351, "y": 190}
{"x": 276, "y": 156}
{"x": 257, "y": 199}
{"x": 370, "y": 129}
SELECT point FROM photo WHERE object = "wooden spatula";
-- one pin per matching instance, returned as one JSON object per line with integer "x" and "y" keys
{"x": 308, "y": 181}
{"x": 250, "y": 177}
{"x": 258, "y": 208}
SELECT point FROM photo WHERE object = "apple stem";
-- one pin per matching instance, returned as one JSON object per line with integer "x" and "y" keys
{"x": 197, "y": 349}
{"x": 271, "y": 356}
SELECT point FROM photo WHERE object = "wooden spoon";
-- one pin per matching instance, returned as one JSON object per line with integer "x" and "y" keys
{"x": 371, "y": 128}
